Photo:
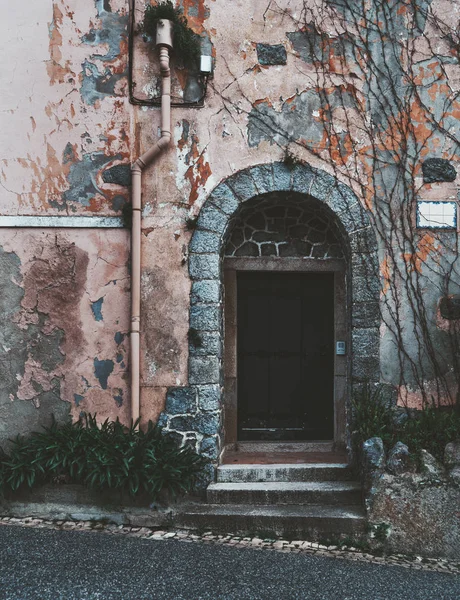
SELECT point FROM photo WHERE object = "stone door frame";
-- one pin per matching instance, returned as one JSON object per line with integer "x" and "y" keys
{"x": 195, "y": 412}
{"x": 341, "y": 332}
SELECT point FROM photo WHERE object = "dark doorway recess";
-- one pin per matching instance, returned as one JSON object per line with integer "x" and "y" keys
{"x": 285, "y": 356}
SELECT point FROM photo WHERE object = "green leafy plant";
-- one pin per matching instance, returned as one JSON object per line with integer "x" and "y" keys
{"x": 186, "y": 42}
{"x": 380, "y": 532}
{"x": 105, "y": 456}
{"x": 430, "y": 429}
{"x": 191, "y": 223}
{"x": 372, "y": 416}
{"x": 290, "y": 159}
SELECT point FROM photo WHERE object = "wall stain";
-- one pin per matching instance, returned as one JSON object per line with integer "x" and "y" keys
{"x": 96, "y": 308}
{"x": 102, "y": 371}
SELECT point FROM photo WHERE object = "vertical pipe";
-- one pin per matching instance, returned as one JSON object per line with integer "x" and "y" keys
{"x": 134, "y": 338}
{"x": 136, "y": 170}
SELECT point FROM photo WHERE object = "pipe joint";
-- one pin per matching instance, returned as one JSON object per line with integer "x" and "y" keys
{"x": 164, "y": 36}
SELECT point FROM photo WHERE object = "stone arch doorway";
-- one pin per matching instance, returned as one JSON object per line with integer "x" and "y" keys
{"x": 285, "y": 306}
{"x": 199, "y": 413}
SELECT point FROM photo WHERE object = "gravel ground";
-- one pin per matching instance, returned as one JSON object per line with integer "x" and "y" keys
{"x": 48, "y": 560}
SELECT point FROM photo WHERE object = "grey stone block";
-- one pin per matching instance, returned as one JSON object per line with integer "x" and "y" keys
{"x": 366, "y": 368}
{"x": 365, "y": 314}
{"x": 322, "y": 185}
{"x": 207, "y": 476}
{"x": 363, "y": 241}
{"x": 204, "y": 369}
{"x": 210, "y": 447}
{"x": 205, "y": 424}
{"x": 205, "y": 318}
{"x": 205, "y": 241}
{"x": 163, "y": 420}
{"x": 366, "y": 289}
{"x": 340, "y": 197}
{"x": 374, "y": 454}
{"x": 177, "y": 437}
{"x": 212, "y": 219}
{"x": 438, "y": 169}
{"x": 243, "y": 185}
{"x": 205, "y": 291}
{"x": 366, "y": 342}
{"x": 373, "y": 461}
{"x": 120, "y": 174}
{"x": 452, "y": 455}
{"x": 211, "y": 345}
{"x": 302, "y": 177}
{"x": 268, "y": 54}
{"x": 429, "y": 466}
{"x": 365, "y": 265}
{"x": 354, "y": 217}
{"x": 181, "y": 400}
{"x": 450, "y": 307}
{"x": 262, "y": 176}
{"x": 281, "y": 177}
{"x": 208, "y": 423}
{"x": 185, "y": 424}
{"x": 223, "y": 197}
{"x": 204, "y": 266}
{"x": 191, "y": 441}
{"x": 399, "y": 459}
{"x": 209, "y": 397}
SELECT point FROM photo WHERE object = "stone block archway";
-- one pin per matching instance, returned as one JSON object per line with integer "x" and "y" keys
{"x": 194, "y": 412}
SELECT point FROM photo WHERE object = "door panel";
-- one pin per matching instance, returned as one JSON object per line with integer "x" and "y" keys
{"x": 285, "y": 355}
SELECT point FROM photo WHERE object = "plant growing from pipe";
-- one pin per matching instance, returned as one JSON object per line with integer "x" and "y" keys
{"x": 186, "y": 42}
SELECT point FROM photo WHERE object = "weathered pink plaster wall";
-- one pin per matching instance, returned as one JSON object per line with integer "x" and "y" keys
{"x": 67, "y": 119}
{"x": 66, "y": 113}
{"x": 74, "y": 282}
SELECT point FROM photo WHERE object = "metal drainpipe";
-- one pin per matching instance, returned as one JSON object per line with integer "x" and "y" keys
{"x": 164, "y": 43}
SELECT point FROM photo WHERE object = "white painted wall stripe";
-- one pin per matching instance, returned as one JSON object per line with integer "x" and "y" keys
{"x": 72, "y": 222}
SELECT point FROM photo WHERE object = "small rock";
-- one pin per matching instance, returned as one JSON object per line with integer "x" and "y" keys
{"x": 271, "y": 54}
{"x": 452, "y": 455}
{"x": 399, "y": 459}
{"x": 374, "y": 454}
{"x": 449, "y": 307}
{"x": 373, "y": 461}
{"x": 438, "y": 169}
{"x": 119, "y": 174}
{"x": 430, "y": 466}
{"x": 455, "y": 475}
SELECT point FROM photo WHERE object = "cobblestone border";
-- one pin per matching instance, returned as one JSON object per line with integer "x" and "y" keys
{"x": 276, "y": 544}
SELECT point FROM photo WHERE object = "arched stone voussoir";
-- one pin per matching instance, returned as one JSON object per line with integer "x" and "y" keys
{"x": 354, "y": 218}
{"x": 338, "y": 197}
{"x": 262, "y": 175}
{"x": 302, "y": 178}
{"x": 211, "y": 218}
{"x": 224, "y": 198}
{"x": 323, "y": 186}
{"x": 243, "y": 185}
{"x": 282, "y": 175}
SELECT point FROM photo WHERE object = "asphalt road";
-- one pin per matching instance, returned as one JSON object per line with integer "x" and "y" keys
{"x": 49, "y": 565}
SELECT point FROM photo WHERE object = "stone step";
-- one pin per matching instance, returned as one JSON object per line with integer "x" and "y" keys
{"x": 284, "y": 472}
{"x": 291, "y": 492}
{"x": 311, "y": 522}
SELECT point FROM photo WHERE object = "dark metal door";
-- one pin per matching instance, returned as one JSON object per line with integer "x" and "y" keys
{"x": 285, "y": 356}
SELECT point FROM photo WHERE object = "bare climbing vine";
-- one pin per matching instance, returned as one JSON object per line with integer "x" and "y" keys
{"x": 384, "y": 95}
